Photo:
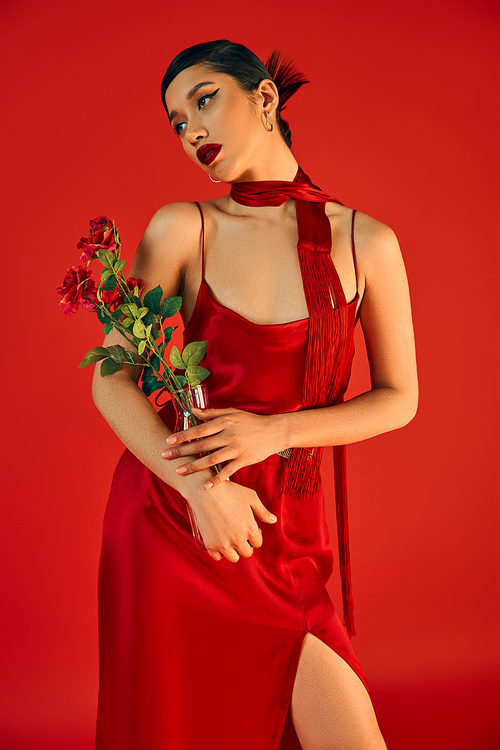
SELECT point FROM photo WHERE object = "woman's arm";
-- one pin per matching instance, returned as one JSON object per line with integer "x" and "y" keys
{"x": 161, "y": 258}
{"x": 227, "y": 521}
{"x": 385, "y": 313}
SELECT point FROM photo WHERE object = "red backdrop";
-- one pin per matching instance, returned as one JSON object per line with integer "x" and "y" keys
{"x": 400, "y": 120}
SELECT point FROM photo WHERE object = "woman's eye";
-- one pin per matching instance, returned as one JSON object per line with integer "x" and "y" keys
{"x": 203, "y": 100}
{"x": 202, "y": 103}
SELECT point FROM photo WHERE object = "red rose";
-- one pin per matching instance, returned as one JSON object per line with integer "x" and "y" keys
{"x": 113, "y": 298}
{"x": 102, "y": 237}
{"x": 76, "y": 282}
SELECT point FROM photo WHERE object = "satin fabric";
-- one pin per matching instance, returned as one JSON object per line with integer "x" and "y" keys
{"x": 276, "y": 192}
{"x": 197, "y": 653}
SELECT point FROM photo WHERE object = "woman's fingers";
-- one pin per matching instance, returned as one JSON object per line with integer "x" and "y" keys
{"x": 224, "y": 473}
{"x": 209, "y": 414}
{"x": 256, "y": 538}
{"x": 202, "y": 445}
{"x": 206, "y": 462}
{"x": 211, "y": 427}
{"x": 231, "y": 554}
{"x": 215, "y": 554}
{"x": 245, "y": 549}
{"x": 262, "y": 513}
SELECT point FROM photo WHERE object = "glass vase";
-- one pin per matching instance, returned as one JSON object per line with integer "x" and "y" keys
{"x": 198, "y": 396}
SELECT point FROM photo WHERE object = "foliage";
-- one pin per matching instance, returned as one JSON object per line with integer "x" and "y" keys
{"x": 117, "y": 303}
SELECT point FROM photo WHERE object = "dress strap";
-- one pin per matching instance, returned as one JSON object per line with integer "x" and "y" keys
{"x": 202, "y": 240}
{"x": 354, "y": 248}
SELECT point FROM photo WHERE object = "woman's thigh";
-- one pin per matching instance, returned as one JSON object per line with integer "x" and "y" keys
{"x": 331, "y": 709}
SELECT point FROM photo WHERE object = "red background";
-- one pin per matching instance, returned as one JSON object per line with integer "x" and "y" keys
{"x": 401, "y": 122}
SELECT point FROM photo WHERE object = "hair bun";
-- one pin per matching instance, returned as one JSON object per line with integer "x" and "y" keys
{"x": 285, "y": 75}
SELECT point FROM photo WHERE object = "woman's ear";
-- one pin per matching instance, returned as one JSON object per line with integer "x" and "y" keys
{"x": 268, "y": 95}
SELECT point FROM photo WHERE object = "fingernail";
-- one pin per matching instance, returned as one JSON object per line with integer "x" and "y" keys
{"x": 209, "y": 485}
{"x": 166, "y": 454}
{"x": 171, "y": 439}
{"x": 181, "y": 470}
{"x": 273, "y": 517}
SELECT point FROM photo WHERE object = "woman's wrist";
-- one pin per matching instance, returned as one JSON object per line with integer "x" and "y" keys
{"x": 281, "y": 425}
{"x": 190, "y": 486}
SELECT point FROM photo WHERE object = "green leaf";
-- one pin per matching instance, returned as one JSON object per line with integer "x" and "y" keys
{"x": 138, "y": 329}
{"x": 130, "y": 308}
{"x": 130, "y": 357}
{"x": 150, "y": 318}
{"x": 94, "y": 355}
{"x": 176, "y": 359}
{"x": 127, "y": 322}
{"x": 116, "y": 315}
{"x": 170, "y": 306}
{"x": 149, "y": 382}
{"x": 141, "y": 347}
{"x": 194, "y": 352}
{"x": 152, "y": 299}
{"x": 116, "y": 350}
{"x": 120, "y": 265}
{"x": 106, "y": 258}
{"x": 108, "y": 367}
{"x": 181, "y": 379}
{"x": 105, "y": 274}
{"x": 156, "y": 332}
{"x": 155, "y": 362}
{"x": 108, "y": 328}
{"x": 196, "y": 374}
{"x": 168, "y": 331}
{"x": 101, "y": 317}
{"x": 109, "y": 284}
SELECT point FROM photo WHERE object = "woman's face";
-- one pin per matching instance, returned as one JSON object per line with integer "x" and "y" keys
{"x": 219, "y": 125}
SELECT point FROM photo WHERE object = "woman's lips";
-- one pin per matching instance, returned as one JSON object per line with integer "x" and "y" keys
{"x": 207, "y": 153}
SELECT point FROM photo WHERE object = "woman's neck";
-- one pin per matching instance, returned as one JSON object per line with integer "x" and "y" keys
{"x": 277, "y": 164}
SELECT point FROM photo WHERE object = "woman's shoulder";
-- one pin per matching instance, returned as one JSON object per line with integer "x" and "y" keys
{"x": 371, "y": 236}
{"x": 178, "y": 217}
{"x": 174, "y": 229}
{"x": 375, "y": 242}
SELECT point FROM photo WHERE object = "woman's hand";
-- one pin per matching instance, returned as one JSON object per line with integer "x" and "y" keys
{"x": 235, "y": 437}
{"x": 227, "y": 519}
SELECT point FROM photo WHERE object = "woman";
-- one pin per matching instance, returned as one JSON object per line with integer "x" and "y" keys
{"x": 196, "y": 651}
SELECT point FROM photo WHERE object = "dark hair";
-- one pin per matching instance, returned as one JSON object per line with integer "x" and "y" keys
{"x": 245, "y": 67}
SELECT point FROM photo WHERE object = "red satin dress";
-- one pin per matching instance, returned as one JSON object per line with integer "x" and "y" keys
{"x": 198, "y": 653}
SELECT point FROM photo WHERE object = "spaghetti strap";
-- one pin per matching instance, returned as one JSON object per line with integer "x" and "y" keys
{"x": 353, "y": 248}
{"x": 202, "y": 240}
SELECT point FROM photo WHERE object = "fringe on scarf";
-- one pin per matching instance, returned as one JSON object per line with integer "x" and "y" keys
{"x": 326, "y": 373}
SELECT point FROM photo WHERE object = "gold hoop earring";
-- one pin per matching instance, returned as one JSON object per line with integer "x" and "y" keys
{"x": 269, "y": 129}
{"x": 213, "y": 178}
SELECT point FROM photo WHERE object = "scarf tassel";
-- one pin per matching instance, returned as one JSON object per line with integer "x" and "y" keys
{"x": 339, "y": 465}
{"x": 324, "y": 364}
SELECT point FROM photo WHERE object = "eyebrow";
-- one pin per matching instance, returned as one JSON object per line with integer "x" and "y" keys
{"x": 190, "y": 95}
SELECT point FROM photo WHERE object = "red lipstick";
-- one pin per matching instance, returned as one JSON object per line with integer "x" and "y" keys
{"x": 207, "y": 153}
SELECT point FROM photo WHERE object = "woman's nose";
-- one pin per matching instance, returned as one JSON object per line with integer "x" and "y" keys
{"x": 196, "y": 133}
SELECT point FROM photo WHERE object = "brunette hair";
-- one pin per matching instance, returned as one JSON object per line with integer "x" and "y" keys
{"x": 244, "y": 66}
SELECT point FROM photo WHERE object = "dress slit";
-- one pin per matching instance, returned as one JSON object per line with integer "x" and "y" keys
{"x": 288, "y": 739}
